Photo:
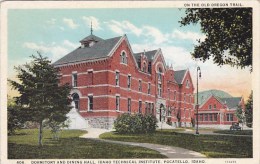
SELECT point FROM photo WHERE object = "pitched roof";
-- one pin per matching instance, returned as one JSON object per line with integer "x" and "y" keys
{"x": 149, "y": 54}
{"x": 99, "y": 50}
{"x": 91, "y": 38}
{"x": 232, "y": 102}
{"x": 204, "y": 95}
{"x": 179, "y": 75}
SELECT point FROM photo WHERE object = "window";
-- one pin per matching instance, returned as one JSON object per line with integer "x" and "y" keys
{"x": 160, "y": 74}
{"x": 160, "y": 90}
{"x": 74, "y": 80}
{"x": 90, "y": 78}
{"x": 140, "y": 86}
{"x": 75, "y": 98}
{"x": 209, "y": 107}
{"x": 90, "y": 103}
{"x": 123, "y": 58}
{"x": 117, "y": 102}
{"x": 187, "y": 84}
{"x": 184, "y": 97}
{"x": 229, "y": 117}
{"x": 215, "y": 117}
{"x": 140, "y": 107}
{"x": 129, "y": 81}
{"x": 152, "y": 108}
{"x": 205, "y": 117}
{"x": 210, "y": 117}
{"x": 169, "y": 111}
{"x": 215, "y": 107}
{"x": 184, "y": 113}
{"x": 146, "y": 107}
{"x": 117, "y": 78}
{"x": 201, "y": 117}
{"x": 144, "y": 67}
{"x": 129, "y": 105}
{"x": 150, "y": 67}
{"x": 190, "y": 99}
{"x": 174, "y": 95}
{"x": 149, "y": 88}
{"x": 169, "y": 93}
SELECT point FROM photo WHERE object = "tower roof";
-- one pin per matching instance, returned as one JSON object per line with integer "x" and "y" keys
{"x": 91, "y": 38}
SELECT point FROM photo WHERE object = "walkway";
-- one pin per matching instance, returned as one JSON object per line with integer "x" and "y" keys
{"x": 168, "y": 151}
{"x": 211, "y": 132}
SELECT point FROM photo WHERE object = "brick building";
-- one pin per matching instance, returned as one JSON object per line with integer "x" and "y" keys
{"x": 108, "y": 79}
{"x": 216, "y": 111}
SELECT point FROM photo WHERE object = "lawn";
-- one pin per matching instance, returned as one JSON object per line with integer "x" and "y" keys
{"x": 213, "y": 146}
{"x": 24, "y": 145}
{"x": 235, "y": 132}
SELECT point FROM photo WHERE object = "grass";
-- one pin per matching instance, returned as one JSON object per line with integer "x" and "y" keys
{"x": 215, "y": 146}
{"x": 24, "y": 145}
{"x": 235, "y": 132}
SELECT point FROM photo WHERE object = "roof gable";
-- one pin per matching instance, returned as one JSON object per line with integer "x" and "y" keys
{"x": 179, "y": 76}
{"x": 232, "y": 102}
{"x": 149, "y": 54}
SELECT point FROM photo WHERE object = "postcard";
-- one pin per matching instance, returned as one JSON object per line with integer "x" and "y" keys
{"x": 130, "y": 82}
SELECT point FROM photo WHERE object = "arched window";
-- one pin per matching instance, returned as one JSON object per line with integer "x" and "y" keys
{"x": 144, "y": 67}
{"x": 160, "y": 74}
{"x": 123, "y": 58}
{"x": 75, "y": 98}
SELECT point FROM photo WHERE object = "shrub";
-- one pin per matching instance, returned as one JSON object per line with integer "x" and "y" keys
{"x": 136, "y": 123}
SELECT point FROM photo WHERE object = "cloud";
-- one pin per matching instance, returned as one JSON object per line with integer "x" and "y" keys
{"x": 193, "y": 36}
{"x": 70, "y": 23}
{"x": 157, "y": 36}
{"x": 123, "y": 27}
{"x": 95, "y": 22}
{"x": 178, "y": 57}
{"x": 70, "y": 44}
{"x": 53, "y": 50}
{"x": 152, "y": 33}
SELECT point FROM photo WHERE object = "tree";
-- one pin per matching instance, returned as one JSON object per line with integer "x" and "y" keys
{"x": 15, "y": 117}
{"x": 249, "y": 110}
{"x": 41, "y": 95}
{"x": 228, "y": 35}
{"x": 240, "y": 114}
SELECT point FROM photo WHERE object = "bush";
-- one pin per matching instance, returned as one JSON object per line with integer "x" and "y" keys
{"x": 136, "y": 123}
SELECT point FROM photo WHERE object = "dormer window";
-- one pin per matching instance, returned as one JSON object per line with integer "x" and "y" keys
{"x": 91, "y": 44}
{"x": 123, "y": 58}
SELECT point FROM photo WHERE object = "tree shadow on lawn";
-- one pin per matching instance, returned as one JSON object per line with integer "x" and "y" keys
{"x": 78, "y": 148}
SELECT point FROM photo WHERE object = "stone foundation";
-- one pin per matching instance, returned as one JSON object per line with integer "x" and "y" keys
{"x": 101, "y": 122}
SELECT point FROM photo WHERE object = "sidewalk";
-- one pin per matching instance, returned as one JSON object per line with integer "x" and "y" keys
{"x": 169, "y": 151}
{"x": 208, "y": 132}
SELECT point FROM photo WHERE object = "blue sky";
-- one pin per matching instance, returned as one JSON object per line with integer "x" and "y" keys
{"x": 57, "y": 32}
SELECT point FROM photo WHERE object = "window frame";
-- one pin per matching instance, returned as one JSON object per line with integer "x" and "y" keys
{"x": 117, "y": 103}
{"x": 90, "y": 105}
{"x": 75, "y": 80}
{"x": 117, "y": 78}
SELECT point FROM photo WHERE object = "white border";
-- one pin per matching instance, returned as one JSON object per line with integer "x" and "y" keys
{"x": 125, "y": 4}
